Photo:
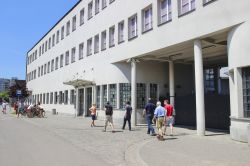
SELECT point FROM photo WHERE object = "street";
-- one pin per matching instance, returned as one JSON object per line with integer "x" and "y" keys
{"x": 24, "y": 144}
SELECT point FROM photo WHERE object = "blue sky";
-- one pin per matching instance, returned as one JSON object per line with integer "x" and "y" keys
{"x": 22, "y": 24}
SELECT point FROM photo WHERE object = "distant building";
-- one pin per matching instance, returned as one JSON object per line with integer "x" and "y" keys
{"x": 194, "y": 52}
{"x": 6, "y": 83}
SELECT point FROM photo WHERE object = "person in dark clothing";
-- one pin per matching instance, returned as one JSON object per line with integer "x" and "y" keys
{"x": 149, "y": 113}
{"x": 127, "y": 116}
{"x": 109, "y": 116}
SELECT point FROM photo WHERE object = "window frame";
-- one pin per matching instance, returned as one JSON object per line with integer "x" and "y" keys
{"x": 130, "y": 36}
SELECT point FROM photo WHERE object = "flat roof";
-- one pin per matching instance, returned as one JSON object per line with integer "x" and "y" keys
{"x": 55, "y": 25}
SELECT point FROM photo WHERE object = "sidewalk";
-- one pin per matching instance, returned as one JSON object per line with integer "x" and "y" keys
{"x": 137, "y": 148}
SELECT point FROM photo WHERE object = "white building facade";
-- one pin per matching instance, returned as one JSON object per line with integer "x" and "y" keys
{"x": 119, "y": 51}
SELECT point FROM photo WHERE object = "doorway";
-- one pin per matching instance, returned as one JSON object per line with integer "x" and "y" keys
{"x": 81, "y": 102}
{"x": 89, "y": 100}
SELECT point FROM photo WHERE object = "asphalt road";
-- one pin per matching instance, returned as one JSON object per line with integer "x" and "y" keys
{"x": 23, "y": 144}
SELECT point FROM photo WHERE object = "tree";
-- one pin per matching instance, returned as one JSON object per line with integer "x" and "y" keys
{"x": 19, "y": 85}
{"x": 4, "y": 96}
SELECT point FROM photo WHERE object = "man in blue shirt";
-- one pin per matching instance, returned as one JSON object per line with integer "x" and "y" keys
{"x": 160, "y": 115}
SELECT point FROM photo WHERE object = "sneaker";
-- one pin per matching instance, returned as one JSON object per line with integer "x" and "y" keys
{"x": 148, "y": 132}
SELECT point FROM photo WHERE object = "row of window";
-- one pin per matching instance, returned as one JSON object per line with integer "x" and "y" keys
{"x": 56, "y": 37}
{"x": 63, "y": 97}
{"x": 164, "y": 15}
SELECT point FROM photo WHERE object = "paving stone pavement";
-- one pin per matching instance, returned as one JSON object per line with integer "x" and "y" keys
{"x": 137, "y": 148}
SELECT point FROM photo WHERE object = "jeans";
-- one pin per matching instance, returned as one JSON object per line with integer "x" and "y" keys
{"x": 149, "y": 122}
{"x": 129, "y": 123}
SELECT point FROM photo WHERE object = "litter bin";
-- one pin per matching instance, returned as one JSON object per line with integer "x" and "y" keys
{"x": 53, "y": 111}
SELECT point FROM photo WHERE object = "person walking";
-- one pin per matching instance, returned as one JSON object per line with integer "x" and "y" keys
{"x": 93, "y": 114}
{"x": 4, "y": 105}
{"x": 160, "y": 114}
{"x": 20, "y": 108}
{"x": 149, "y": 113}
{"x": 109, "y": 116}
{"x": 127, "y": 116}
{"x": 169, "y": 117}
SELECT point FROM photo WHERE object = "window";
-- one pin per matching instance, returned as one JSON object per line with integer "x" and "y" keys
{"x": 44, "y": 97}
{"x": 97, "y": 6}
{"x": 89, "y": 47}
{"x": 73, "y": 55}
{"x": 34, "y": 74}
{"x": 153, "y": 92}
{"x": 96, "y": 46}
{"x": 104, "y": 4}
{"x": 57, "y": 61}
{"x": 52, "y": 65}
{"x": 42, "y": 70}
{"x": 112, "y": 95}
{"x": 132, "y": 27}
{"x": 98, "y": 96}
{"x": 141, "y": 95}
{"x": 246, "y": 91}
{"x": 82, "y": 17}
{"x": 40, "y": 50}
{"x": 48, "y": 68}
{"x": 45, "y": 69}
{"x": 103, "y": 40}
{"x": 186, "y": 6}
{"x": 73, "y": 23}
{"x": 62, "y": 33}
{"x": 49, "y": 42}
{"x": 47, "y": 98}
{"x": 53, "y": 40}
{"x": 90, "y": 10}
{"x": 121, "y": 32}
{"x": 66, "y": 97}
{"x": 61, "y": 60}
{"x": 72, "y": 96}
{"x": 60, "y": 97}
{"x": 68, "y": 28}
{"x": 39, "y": 70}
{"x": 110, "y": 1}
{"x": 209, "y": 80}
{"x": 81, "y": 51}
{"x": 51, "y": 98}
{"x": 55, "y": 98}
{"x": 43, "y": 48}
{"x": 164, "y": 11}
{"x": 46, "y": 46}
{"x": 36, "y": 54}
{"x": 57, "y": 36}
{"x": 147, "y": 19}
{"x": 112, "y": 36}
{"x": 67, "y": 58}
{"x": 125, "y": 94}
{"x": 104, "y": 94}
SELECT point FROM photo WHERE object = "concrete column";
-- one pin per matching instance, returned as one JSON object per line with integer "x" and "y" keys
{"x": 94, "y": 94}
{"x": 148, "y": 91}
{"x": 118, "y": 96}
{"x": 171, "y": 83}
{"x": 84, "y": 102}
{"x": 77, "y": 102}
{"x": 101, "y": 97}
{"x": 133, "y": 91}
{"x": 199, "y": 86}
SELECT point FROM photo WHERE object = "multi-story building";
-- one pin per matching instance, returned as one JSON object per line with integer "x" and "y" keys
{"x": 6, "y": 83}
{"x": 195, "y": 52}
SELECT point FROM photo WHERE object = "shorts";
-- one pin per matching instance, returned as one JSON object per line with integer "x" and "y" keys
{"x": 108, "y": 119}
{"x": 170, "y": 120}
{"x": 160, "y": 122}
{"x": 93, "y": 117}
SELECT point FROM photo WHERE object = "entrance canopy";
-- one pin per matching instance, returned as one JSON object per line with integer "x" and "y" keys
{"x": 79, "y": 82}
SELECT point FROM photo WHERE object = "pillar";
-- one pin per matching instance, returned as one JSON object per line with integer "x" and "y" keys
{"x": 133, "y": 91}
{"x": 118, "y": 96}
{"x": 199, "y": 88}
{"x": 77, "y": 102}
{"x": 171, "y": 83}
{"x": 85, "y": 102}
{"x": 101, "y": 97}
